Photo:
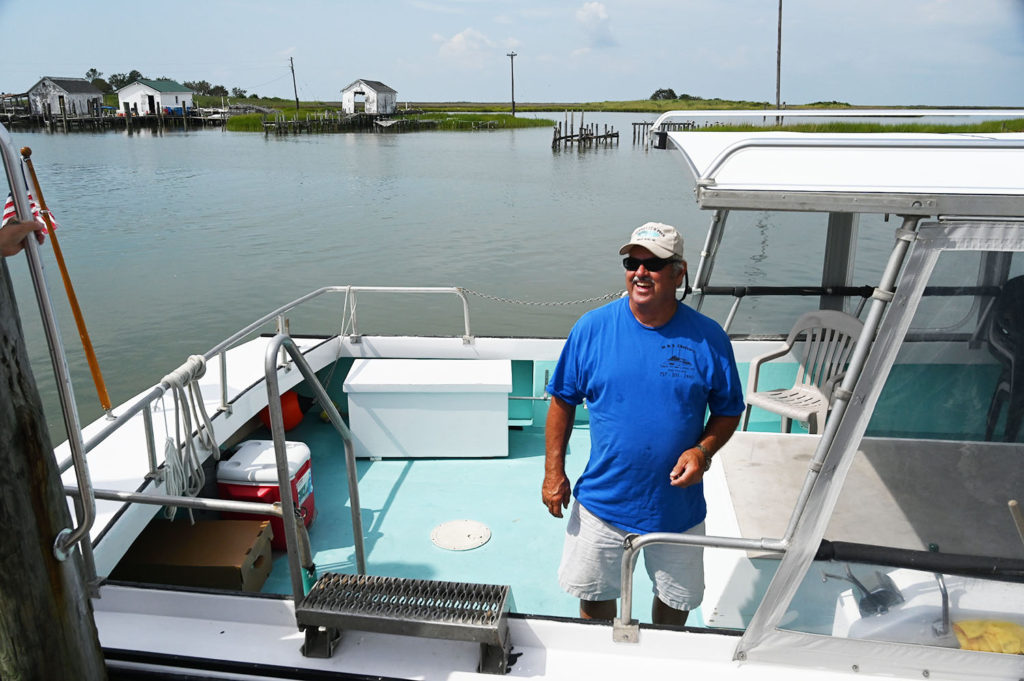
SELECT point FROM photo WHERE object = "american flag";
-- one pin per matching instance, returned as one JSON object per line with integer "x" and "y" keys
{"x": 11, "y": 213}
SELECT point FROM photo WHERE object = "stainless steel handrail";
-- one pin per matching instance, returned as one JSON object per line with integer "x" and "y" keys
{"x": 467, "y": 336}
{"x": 201, "y": 503}
{"x": 625, "y": 629}
{"x": 155, "y": 393}
{"x": 85, "y": 504}
{"x": 85, "y": 509}
{"x": 283, "y": 342}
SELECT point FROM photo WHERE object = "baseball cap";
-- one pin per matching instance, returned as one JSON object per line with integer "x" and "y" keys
{"x": 660, "y": 239}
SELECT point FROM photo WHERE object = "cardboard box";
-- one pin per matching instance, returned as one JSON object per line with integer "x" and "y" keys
{"x": 217, "y": 554}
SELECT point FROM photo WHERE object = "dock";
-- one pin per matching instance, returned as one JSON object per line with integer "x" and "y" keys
{"x": 583, "y": 136}
{"x": 338, "y": 121}
{"x": 326, "y": 121}
{"x": 195, "y": 118}
{"x": 642, "y": 129}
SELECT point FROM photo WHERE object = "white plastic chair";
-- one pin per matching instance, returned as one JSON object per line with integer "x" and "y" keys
{"x": 821, "y": 341}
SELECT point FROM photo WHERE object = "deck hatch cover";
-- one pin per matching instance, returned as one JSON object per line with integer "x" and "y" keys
{"x": 410, "y": 607}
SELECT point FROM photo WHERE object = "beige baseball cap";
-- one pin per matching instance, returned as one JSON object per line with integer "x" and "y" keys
{"x": 660, "y": 239}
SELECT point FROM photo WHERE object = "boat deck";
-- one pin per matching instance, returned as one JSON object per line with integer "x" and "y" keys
{"x": 403, "y": 500}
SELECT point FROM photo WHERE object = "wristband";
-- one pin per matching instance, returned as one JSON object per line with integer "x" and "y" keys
{"x": 707, "y": 456}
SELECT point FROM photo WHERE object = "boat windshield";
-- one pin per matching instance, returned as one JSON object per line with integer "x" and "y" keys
{"x": 924, "y": 546}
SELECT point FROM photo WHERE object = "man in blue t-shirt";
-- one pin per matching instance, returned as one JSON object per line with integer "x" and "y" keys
{"x": 649, "y": 368}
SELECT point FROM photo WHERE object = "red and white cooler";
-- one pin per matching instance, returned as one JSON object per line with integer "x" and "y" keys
{"x": 251, "y": 475}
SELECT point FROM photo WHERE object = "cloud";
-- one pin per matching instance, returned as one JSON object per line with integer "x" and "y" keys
{"x": 467, "y": 48}
{"x": 593, "y": 19}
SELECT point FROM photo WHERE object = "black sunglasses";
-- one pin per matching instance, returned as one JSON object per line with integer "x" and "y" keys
{"x": 651, "y": 264}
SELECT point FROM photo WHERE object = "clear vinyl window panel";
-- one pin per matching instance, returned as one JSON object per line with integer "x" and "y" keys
{"x": 950, "y": 380}
{"x": 939, "y": 473}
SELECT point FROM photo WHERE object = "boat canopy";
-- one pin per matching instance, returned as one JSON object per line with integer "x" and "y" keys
{"x": 909, "y": 174}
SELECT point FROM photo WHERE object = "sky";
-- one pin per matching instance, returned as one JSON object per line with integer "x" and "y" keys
{"x": 865, "y": 52}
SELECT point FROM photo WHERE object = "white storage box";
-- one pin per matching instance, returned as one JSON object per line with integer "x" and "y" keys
{"x": 251, "y": 475}
{"x": 429, "y": 408}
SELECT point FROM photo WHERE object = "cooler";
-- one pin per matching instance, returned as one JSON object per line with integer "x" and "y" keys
{"x": 251, "y": 475}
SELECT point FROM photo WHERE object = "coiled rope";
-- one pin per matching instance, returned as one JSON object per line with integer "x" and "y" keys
{"x": 183, "y": 470}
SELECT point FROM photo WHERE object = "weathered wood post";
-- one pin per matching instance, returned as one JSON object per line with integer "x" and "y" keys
{"x": 63, "y": 114}
{"x": 46, "y": 620}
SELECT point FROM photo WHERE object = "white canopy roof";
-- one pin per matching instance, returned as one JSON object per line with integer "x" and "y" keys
{"x": 938, "y": 173}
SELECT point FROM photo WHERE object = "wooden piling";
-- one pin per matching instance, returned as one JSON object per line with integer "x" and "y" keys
{"x": 46, "y": 617}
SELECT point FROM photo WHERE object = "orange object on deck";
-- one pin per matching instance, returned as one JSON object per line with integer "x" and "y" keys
{"x": 290, "y": 411}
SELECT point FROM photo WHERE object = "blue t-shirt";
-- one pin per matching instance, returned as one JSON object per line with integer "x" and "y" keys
{"x": 648, "y": 390}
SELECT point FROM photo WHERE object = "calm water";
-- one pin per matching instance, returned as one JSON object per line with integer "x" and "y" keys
{"x": 175, "y": 241}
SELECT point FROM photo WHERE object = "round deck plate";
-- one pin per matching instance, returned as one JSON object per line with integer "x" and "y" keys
{"x": 460, "y": 535}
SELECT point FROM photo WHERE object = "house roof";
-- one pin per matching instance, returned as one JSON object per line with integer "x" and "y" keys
{"x": 75, "y": 86}
{"x": 374, "y": 85}
{"x": 160, "y": 85}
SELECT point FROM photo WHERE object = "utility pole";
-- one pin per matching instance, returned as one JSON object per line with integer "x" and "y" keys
{"x": 46, "y": 618}
{"x": 295, "y": 89}
{"x": 778, "y": 66}
{"x": 512, "y": 62}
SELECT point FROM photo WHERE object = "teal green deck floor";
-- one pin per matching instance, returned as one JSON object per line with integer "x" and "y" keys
{"x": 403, "y": 500}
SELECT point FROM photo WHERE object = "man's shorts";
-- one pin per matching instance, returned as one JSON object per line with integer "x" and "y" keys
{"x": 591, "y": 566}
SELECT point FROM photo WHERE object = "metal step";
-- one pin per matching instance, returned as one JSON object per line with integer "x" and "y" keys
{"x": 455, "y": 611}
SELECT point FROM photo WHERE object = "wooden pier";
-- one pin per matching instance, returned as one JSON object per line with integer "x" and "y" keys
{"x": 583, "y": 136}
{"x": 337, "y": 121}
{"x": 107, "y": 121}
{"x": 326, "y": 121}
{"x": 642, "y": 130}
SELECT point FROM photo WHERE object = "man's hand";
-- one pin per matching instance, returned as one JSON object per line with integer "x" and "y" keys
{"x": 689, "y": 468}
{"x": 556, "y": 493}
{"x": 12, "y": 236}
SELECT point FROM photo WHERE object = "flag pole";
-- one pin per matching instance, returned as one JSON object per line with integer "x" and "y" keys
{"x": 90, "y": 355}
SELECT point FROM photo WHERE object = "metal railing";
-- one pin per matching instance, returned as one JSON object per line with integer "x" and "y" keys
{"x": 283, "y": 342}
{"x": 84, "y": 493}
{"x": 286, "y": 508}
{"x": 625, "y": 629}
{"x": 220, "y": 350}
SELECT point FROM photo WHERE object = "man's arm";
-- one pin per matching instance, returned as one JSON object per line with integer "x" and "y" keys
{"x": 690, "y": 467}
{"x": 556, "y": 491}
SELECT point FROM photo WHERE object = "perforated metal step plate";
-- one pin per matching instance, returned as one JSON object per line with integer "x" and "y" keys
{"x": 410, "y": 607}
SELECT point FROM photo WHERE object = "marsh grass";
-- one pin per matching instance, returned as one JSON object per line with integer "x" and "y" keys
{"x": 1009, "y": 125}
{"x": 496, "y": 115}
{"x": 477, "y": 121}
{"x": 245, "y": 123}
{"x": 435, "y": 121}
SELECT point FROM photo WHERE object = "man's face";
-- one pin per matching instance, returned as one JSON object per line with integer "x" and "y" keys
{"x": 652, "y": 289}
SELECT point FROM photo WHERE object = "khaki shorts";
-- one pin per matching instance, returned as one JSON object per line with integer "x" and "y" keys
{"x": 591, "y": 566}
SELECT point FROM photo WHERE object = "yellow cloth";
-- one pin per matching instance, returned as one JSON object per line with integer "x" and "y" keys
{"x": 992, "y": 636}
